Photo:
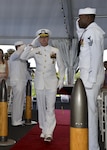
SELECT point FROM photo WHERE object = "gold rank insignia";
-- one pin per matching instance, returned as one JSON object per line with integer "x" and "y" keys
{"x": 81, "y": 42}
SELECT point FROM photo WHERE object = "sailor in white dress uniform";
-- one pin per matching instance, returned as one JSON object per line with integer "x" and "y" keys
{"x": 46, "y": 81}
{"x": 91, "y": 66}
{"x": 18, "y": 80}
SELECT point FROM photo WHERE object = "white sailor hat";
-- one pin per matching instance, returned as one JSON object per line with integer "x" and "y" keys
{"x": 19, "y": 43}
{"x": 87, "y": 11}
{"x": 43, "y": 33}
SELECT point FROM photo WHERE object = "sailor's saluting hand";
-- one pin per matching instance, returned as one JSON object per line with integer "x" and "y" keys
{"x": 34, "y": 40}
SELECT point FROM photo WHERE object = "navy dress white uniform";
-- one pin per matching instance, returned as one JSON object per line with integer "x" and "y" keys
{"x": 18, "y": 79}
{"x": 91, "y": 69}
{"x": 46, "y": 82}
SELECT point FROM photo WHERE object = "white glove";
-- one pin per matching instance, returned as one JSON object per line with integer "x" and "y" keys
{"x": 79, "y": 30}
{"x": 60, "y": 84}
{"x": 88, "y": 85}
{"x": 33, "y": 42}
{"x": 22, "y": 47}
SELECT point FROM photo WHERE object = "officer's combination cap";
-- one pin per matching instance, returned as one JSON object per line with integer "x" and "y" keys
{"x": 43, "y": 33}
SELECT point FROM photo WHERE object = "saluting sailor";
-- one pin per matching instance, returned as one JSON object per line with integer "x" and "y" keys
{"x": 46, "y": 81}
{"x": 91, "y": 66}
{"x": 18, "y": 79}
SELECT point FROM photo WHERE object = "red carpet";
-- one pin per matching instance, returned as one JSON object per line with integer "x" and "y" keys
{"x": 62, "y": 117}
{"x": 32, "y": 141}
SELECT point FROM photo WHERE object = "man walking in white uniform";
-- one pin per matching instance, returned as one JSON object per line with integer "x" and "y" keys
{"x": 18, "y": 80}
{"x": 46, "y": 82}
{"x": 91, "y": 66}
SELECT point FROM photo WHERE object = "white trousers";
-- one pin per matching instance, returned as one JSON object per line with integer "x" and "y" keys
{"x": 92, "y": 95}
{"x": 18, "y": 89}
{"x": 46, "y": 110}
{"x": 93, "y": 117}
